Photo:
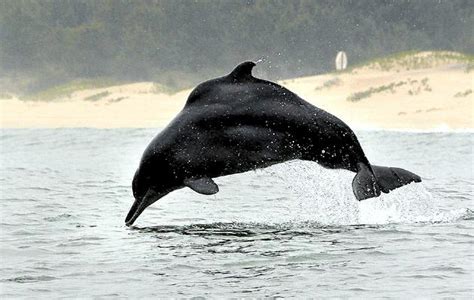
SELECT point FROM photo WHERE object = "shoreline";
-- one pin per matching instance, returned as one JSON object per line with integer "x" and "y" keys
{"x": 354, "y": 128}
{"x": 437, "y": 99}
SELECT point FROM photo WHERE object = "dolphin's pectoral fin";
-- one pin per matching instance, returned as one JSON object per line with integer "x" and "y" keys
{"x": 204, "y": 185}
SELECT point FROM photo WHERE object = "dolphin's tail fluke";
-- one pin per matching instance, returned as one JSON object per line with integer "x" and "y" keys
{"x": 368, "y": 184}
{"x": 393, "y": 178}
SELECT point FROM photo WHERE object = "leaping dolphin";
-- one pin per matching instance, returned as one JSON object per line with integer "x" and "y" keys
{"x": 238, "y": 123}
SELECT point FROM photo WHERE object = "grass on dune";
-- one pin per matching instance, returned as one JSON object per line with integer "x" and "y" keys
{"x": 409, "y": 60}
{"x": 415, "y": 87}
{"x": 414, "y": 60}
{"x": 97, "y": 97}
{"x": 5, "y": 96}
{"x": 65, "y": 90}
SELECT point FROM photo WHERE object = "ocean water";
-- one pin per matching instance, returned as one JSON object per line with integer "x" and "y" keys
{"x": 291, "y": 230}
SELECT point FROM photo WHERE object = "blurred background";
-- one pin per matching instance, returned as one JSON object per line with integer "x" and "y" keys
{"x": 81, "y": 63}
{"x": 179, "y": 42}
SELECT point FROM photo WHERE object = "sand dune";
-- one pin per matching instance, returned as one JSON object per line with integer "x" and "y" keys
{"x": 438, "y": 96}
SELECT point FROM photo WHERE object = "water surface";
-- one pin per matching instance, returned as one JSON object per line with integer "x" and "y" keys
{"x": 292, "y": 230}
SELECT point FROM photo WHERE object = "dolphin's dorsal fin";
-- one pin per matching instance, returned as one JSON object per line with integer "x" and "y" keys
{"x": 243, "y": 71}
{"x": 204, "y": 185}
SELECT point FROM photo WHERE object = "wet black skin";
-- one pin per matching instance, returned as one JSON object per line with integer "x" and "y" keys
{"x": 238, "y": 123}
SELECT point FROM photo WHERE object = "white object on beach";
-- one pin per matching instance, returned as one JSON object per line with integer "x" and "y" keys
{"x": 341, "y": 61}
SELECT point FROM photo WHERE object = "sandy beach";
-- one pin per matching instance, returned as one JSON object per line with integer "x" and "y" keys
{"x": 438, "y": 97}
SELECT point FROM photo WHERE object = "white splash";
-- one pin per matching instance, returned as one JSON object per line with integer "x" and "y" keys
{"x": 325, "y": 196}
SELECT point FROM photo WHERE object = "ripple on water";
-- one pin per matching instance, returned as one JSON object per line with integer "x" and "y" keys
{"x": 57, "y": 218}
{"x": 293, "y": 230}
{"x": 30, "y": 279}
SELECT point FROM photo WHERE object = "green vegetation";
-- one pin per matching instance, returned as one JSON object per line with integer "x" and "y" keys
{"x": 65, "y": 90}
{"x": 329, "y": 83}
{"x": 414, "y": 60}
{"x": 368, "y": 93}
{"x": 415, "y": 87}
{"x": 469, "y": 67}
{"x": 463, "y": 94}
{"x": 115, "y": 100}
{"x": 5, "y": 96}
{"x": 98, "y": 96}
{"x": 177, "y": 43}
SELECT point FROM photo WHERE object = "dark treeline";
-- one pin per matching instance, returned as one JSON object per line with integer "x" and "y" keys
{"x": 179, "y": 42}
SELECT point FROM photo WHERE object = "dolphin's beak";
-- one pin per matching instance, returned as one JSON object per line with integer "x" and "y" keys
{"x": 139, "y": 206}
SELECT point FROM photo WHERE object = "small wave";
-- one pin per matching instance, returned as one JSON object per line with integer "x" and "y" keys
{"x": 224, "y": 229}
{"x": 29, "y": 279}
{"x": 77, "y": 244}
{"x": 326, "y": 196}
{"x": 36, "y": 188}
{"x": 238, "y": 229}
{"x": 58, "y": 218}
{"x": 468, "y": 215}
{"x": 385, "y": 222}
{"x": 332, "y": 216}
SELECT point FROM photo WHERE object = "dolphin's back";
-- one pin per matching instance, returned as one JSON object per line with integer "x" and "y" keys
{"x": 237, "y": 123}
{"x": 254, "y": 119}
